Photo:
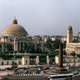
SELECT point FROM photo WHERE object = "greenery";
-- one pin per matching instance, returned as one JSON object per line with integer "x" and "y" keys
{"x": 49, "y": 47}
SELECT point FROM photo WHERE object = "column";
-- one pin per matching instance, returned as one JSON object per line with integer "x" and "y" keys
{"x": 61, "y": 54}
{"x": 19, "y": 46}
{"x": 47, "y": 59}
{"x": 37, "y": 60}
{"x": 3, "y": 44}
{"x": 2, "y": 47}
{"x": 23, "y": 61}
{"x": 28, "y": 60}
{"x": 15, "y": 45}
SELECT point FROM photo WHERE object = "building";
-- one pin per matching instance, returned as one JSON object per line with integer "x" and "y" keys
{"x": 15, "y": 42}
{"x": 14, "y": 36}
{"x": 72, "y": 46}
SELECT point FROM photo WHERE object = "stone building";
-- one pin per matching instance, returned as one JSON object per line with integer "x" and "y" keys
{"x": 70, "y": 45}
{"x": 13, "y": 41}
{"x": 14, "y": 35}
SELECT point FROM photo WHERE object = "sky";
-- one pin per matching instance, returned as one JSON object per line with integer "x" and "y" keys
{"x": 41, "y": 17}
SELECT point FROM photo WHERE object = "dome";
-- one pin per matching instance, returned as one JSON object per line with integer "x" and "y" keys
{"x": 15, "y": 29}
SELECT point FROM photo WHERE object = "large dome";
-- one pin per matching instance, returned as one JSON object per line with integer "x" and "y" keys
{"x": 15, "y": 29}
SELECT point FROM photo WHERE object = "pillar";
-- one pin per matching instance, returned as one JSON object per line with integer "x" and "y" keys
{"x": 47, "y": 59}
{"x": 2, "y": 47}
{"x": 19, "y": 46}
{"x": 3, "y": 44}
{"x": 23, "y": 61}
{"x": 37, "y": 60}
{"x": 28, "y": 60}
{"x": 60, "y": 54}
{"x": 15, "y": 45}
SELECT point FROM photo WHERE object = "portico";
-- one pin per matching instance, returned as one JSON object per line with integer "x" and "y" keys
{"x": 25, "y": 59}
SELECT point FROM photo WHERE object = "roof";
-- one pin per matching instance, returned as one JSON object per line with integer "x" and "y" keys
{"x": 15, "y": 29}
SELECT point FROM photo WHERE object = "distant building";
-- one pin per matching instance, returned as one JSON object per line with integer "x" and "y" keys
{"x": 72, "y": 43}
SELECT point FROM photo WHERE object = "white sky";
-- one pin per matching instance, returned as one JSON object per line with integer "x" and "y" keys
{"x": 41, "y": 16}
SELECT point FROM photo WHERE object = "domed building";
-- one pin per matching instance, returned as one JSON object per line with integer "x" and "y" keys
{"x": 13, "y": 42}
{"x": 15, "y": 29}
{"x": 16, "y": 43}
{"x": 14, "y": 36}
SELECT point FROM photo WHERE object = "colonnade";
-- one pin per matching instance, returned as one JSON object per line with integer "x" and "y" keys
{"x": 26, "y": 60}
{"x": 17, "y": 45}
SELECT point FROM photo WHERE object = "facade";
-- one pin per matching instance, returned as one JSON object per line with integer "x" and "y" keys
{"x": 14, "y": 41}
{"x": 70, "y": 45}
{"x": 14, "y": 36}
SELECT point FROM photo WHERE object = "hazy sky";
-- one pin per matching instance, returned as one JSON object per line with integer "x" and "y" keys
{"x": 41, "y": 16}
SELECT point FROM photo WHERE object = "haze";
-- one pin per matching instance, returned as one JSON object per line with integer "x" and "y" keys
{"x": 41, "y": 17}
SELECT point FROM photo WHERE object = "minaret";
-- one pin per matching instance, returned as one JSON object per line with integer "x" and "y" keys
{"x": 69, "y": 35}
